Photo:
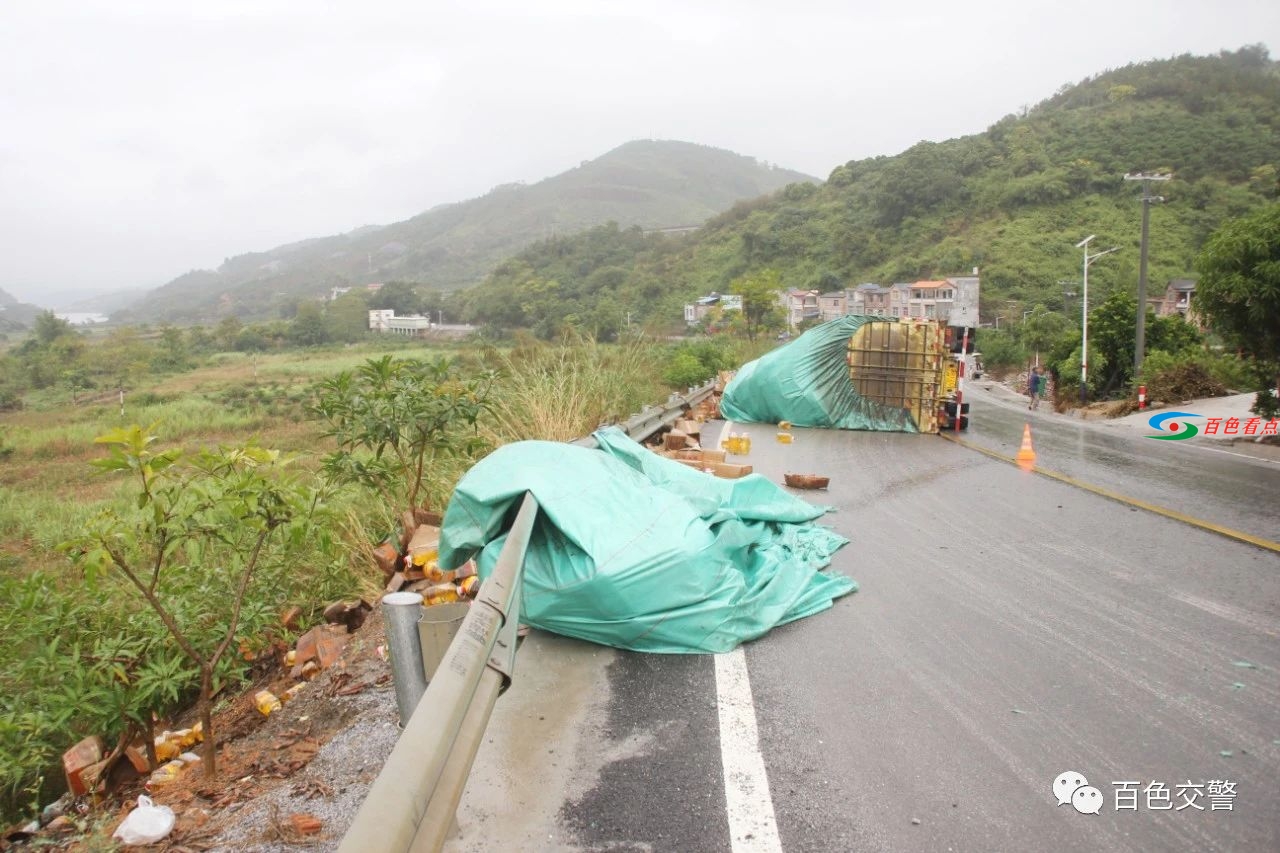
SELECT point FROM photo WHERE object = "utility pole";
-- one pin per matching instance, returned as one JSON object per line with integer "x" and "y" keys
{"x": 1147, "y": 198}
{"x": 1084, "y": 314}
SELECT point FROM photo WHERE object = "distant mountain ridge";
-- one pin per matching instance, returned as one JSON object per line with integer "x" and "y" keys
{"x": 1014, "y": 201}
{"x": 646, "y": 183}
{"x": 15, "y": 315}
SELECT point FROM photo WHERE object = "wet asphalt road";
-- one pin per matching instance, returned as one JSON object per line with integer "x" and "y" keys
{"x": 1213, "y": 481}
{"x": 1008, "y": 628}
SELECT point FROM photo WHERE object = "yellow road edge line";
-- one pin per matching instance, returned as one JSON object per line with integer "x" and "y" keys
{"x": 1228, "y": 532}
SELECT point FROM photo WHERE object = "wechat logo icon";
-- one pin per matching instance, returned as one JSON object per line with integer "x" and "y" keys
{"x": 1071, "y": 787}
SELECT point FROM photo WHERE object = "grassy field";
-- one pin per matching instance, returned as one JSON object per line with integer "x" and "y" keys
{"x": 49, "y": 489}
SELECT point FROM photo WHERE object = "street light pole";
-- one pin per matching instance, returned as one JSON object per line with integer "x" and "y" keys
{"x": 1147, "y": 198}
{"x": 1084, "y": 315}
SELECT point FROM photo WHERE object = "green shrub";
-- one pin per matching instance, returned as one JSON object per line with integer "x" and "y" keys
{"x": 696, "y": 362}
{"x": 1001, "y": 351}
{"x": 394, "y": 419}
{"x": 685, "y": 370}
{"x": 1173, "y": 378}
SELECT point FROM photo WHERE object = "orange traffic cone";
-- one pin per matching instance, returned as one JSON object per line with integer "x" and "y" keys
{"x": 1026, "y": 454}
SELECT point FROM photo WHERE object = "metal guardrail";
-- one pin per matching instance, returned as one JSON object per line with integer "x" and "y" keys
{"x": 412, "y": 803}
{"x": 653, "y": 418}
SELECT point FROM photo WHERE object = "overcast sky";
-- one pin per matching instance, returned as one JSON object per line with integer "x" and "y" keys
{"x": 145, "y": 138}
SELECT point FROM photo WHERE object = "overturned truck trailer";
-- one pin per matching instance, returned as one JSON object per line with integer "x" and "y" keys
{"x": 858, "y": 372}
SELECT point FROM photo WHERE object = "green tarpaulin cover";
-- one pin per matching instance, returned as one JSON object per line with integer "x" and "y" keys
{"x": 636, "y": 551}
{"x": 807, "y": 382}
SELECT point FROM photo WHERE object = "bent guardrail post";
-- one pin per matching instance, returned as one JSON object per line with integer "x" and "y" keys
{"x": 395, "y": 810}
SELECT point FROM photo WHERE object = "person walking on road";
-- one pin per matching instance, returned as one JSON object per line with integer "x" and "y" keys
{"x": 1035, "y": 387}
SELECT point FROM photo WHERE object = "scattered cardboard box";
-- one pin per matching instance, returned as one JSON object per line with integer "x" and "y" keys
{"x": 423, "y": 546}
{"x": 323, "y": 644}
{"x": 305, "y": 824}
{"x": 387, "y": 556}
{"x": 78, "y": 759}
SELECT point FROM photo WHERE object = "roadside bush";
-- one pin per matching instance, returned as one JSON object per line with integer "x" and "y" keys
{"x": 684, "y": 370}
{"x": 205, "y": 544}
{"x": 1001, "y": 351}
{"x": 1171, "y": 380}
{"x": 696, "y": 362}
{"x": 1174, "y": 378}
{"x": 395, "y": 420}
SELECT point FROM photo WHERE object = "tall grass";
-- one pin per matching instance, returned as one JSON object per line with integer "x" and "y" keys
{"x": 51, "y": 435}
{"x": 35, "y": 522}
{"x": 563, "y": 392}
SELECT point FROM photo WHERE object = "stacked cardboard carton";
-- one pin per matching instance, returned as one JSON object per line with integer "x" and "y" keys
{"x": 683, "y": 444}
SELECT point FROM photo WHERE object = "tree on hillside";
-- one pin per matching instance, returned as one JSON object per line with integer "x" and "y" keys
{"x": 49, "y": 327}
{"x": 346, "y": 318}
{"x": 1042, "y": 329}
{"x": 1238, "y": 293}
{"x": 226, "y": 332}
{"x": 122, "y": 360}
{"x": 400, "y": 296}
{"x": 308, "y": 328}
{"x": 1113, "y": 335}
{"x": 759, "y": 291}
{"x": 1113, "y": 330}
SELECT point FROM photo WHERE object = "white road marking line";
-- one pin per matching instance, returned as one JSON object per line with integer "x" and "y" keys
{"x": 752, "y": 826}
{"x": 1234, "y": 453}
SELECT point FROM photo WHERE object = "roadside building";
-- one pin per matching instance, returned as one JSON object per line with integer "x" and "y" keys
{"x": 856, "y": 298}
{"x": 384, "y": 320}
{"x": 833, "y": 305}
{"x": 874, "y": 300}
{"x": 899, "y": 299}
{"x": 412, "y": 326}
{"x": 801, "y": 305}
{"x": 701, "y": 308}
{"x": 964, "y": 300}
{"x": 1177, "y": 299}
{"x": 930, "y": 300}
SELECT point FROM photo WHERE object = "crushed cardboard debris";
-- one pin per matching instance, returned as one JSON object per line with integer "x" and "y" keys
{"x": 806, "y": 481}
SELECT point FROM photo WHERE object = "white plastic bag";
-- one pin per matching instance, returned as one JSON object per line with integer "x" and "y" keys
{"x": 146, "y": 824}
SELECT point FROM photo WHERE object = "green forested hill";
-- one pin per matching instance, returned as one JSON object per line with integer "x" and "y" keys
{"x": 1013, "y": 201}
{"x": 650, "y": 184}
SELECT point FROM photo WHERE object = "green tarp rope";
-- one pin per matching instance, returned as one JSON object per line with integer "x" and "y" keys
{"x": 640, "y": 552}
